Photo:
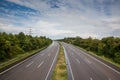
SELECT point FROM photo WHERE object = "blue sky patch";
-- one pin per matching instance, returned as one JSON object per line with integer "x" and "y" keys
{"x": 61, "y": 18}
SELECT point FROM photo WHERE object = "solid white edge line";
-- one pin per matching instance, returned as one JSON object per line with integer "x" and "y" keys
{"x": 14, "y": 66}
{"x": 52, "y": 64}
{"x": 101, "y": 62}
{"x": 40, "y": 64}
{"x": 17, "y": 64}
{"x": 68, "y": 63}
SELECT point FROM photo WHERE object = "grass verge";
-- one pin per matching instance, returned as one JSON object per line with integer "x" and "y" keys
{"x": 101, "y": 57}
{"x": 60, "y": 71}
{"x": 18, "y": 58}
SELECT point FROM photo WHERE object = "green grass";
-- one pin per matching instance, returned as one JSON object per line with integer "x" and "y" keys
{"x": 62, "y": 66}
{"x": 101, "y": 57}
{"x": 60, "y": 71}
{"x": 105, "y": 58}
{"x": 18, "y": 58}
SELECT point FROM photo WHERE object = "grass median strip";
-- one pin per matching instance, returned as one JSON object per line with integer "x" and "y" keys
{"x": 60, "y": 71}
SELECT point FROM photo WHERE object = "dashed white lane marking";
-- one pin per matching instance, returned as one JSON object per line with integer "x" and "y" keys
{"x": 49, "y": 54}
{"x": 52, "y": 64}
{"x": 42, "y": 54}
{"x": 77, "y": 60}
{"x": 16, "y": 65}
{"x": 40, "y": 64}
{"x": 30, "y": 64}
{"x": 91, "y": 78}
{"x": 72, "y": 53}
{"x": 101, "y": 63}
{"x": 109, "y": 79}
{"x": 87, "y": 61}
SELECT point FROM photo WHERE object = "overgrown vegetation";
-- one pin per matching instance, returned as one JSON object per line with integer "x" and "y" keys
{"x": 18, "y": 58}
{"x": 12, "y": 45}
{"x": 108, "y": 47}
{"x": 60, "y": 72}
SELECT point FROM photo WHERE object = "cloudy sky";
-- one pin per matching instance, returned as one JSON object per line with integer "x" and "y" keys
{"x": 61, "y": 18}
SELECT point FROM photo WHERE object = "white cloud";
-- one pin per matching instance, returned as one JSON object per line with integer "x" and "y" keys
{"x": 73, "y": 18}
{"x": 12, "y": 29}
{"x": 49, "y": 28}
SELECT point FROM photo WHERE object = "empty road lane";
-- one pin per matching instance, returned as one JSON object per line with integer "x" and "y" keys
{"x": 36, "y": 67}
{"x": 83, "y": 66}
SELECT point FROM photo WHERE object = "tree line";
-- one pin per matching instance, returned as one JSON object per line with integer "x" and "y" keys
{"x": 14, "y": 44}
{"x": 108, "y": 46}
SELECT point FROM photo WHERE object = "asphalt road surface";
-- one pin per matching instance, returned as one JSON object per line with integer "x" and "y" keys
{"x": 37, "y": 67}
{"x": 82, "y": 66}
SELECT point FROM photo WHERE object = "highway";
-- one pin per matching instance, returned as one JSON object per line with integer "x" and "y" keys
{"x": 82, "y": 66}
{"x": 37, "y": 67}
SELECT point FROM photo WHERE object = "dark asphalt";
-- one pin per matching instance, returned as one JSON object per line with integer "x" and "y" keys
{"x": 37, "y": 67}
{"x": 83, "y": 66}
